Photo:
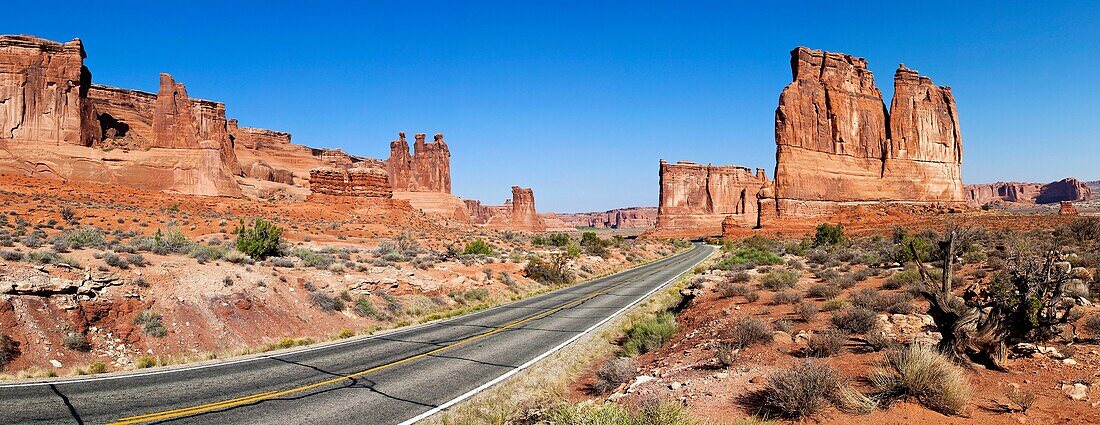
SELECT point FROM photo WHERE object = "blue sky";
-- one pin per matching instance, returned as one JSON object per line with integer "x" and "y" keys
{"x": 580, "y": 99}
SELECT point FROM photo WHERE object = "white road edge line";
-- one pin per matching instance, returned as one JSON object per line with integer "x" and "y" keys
{"x": 322, "y": 346}
{"x": 521, "y": 367}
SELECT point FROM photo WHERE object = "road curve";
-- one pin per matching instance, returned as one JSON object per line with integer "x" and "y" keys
{"x": 391, "y": 378}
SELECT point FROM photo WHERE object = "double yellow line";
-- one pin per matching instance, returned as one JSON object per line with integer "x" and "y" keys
{"x": 225, "y": 404}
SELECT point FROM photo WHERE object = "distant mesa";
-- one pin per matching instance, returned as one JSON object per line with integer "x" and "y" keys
{"x": 837, "y": 145}
{"x": 1068, "y": 189}
{"x": 619, "y": 218}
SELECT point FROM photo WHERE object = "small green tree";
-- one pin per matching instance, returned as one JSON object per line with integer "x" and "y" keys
{"x": 478, "y": 247}
{"x": 260, "y": 240}
{"x": 828, "y": 234}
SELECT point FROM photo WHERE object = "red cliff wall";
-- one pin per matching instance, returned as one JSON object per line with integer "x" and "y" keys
{"x": 620, "y": 218}
{"x": 696, "y": 198}
{"x": 1068, "y": 189}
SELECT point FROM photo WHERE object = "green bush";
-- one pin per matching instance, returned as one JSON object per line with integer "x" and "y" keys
{"x": 648, "y": 335}
{"x": 81, "y": 238}
{"x": 259, "y": 240}
{"x": 828, "y": 235}
{"x": 478, "y": 247}
{"x": 749, "y": 257}
{"x": 364, "y": 308}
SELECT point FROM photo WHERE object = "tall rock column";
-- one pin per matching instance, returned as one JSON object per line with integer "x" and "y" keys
{"x": 524, "y": 216}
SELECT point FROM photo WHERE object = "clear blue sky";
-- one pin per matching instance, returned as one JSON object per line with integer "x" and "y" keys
{"x": 579, "y": 99}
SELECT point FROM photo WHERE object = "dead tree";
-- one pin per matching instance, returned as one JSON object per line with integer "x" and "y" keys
{"x": 1025, "y": 302}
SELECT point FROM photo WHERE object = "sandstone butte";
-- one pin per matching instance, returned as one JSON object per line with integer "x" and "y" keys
{"x": 1068, "y": 189}
{"x": 837, "y": 145}
{"x": 517, "y": 213}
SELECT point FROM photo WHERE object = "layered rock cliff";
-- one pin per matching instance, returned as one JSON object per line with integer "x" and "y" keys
{"x": 696, "y": 198}
{"x": 366, "y": 180}
{"x": 837, "y": 143}
{"x": 1068, "y": 189}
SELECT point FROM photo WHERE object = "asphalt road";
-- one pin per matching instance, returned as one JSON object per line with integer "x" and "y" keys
{"x": 389, "y": 378}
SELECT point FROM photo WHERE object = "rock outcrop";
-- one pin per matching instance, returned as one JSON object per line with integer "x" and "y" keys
{"x": 517, "y": 213}
{"x": 367, "y": 180}
{"x": 1068, "y": 189}
{"x": 619, "y": 218}
{"x": 838, "y": 145}
{"x": 423, "y": 177}
{"x": 696, "y": 198}
{"x": 43, "y": 91}
{"x": 1067, "y": 208}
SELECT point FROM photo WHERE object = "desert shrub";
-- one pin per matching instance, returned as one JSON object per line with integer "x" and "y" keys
{"x": 552, "y": 271}
{"x": 171, "y": 242}
{"x": 478, "y": 247}
{"x": 806, "y": 311}
{"x": 613, "y": 373}
{"x": 786, "y": 297}
{"x": 726, "y": 353}
{"x": 777, "y": 280}
{"x": 150, "y": 323}
{"x": 35, "y": 241}
{"x": 823, "y": 291}
{"x": 834, "y": 304}
{"x": 136, "y": 260}
{"x": 552, "y": 239}
{"x": 801, "y": 390}
{"x": 748, "y": 331}
{"x": 313, "y": 259}
{"x": 748, "y": 257}
{"x": 11, "y": 255}
{"x": 855, "y": 320}
{"x": 237, "y": 257}
{"x": 260, "y": 240}
{"x": 752, "y": 297}
{"x": 83, "y": 237}
{"x": 828, "y": 235}
{"x": 866, "y": 298}
{"x": 922, "y": 373}
{"x": 902, "y": 279}
{"x": 97, "y": 367}
{"x": 1092, "y": 326}
{"x": 77, "y": 342}
{"x": 650, "y": 334}
{"x": 144, "y": 362}
{"x": 826, "y": 343}
{"x": 364, "y": 308}
{"x": 114, "y": 260}
{"x": 9, "y": 350}
{"x": 826, "y": 274}
{"x": 282, "y": 262}
{"x": 326, "y": 302}
{"x": 204, "y": 253}
{"x": 476, "y": 294}
{"x": 728, "y": 289}
{"x": 740, "y": 277}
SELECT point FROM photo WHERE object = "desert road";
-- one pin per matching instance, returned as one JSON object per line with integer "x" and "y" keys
{"x": 388, "y": 378}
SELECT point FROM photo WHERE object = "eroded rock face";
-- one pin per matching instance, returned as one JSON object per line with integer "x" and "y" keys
{"x": 1068, "y": 189}
{"x": 56, "y": 124}
{"x": 43, "y": 86}
{"x": 696, "y": 198}
{"x": 427, "y": 169}
{"x": 1067, "y": 208}
{"x": 837, "y": 143}
{"x": 517, "y": 213}
{"x": 367, "y": 180}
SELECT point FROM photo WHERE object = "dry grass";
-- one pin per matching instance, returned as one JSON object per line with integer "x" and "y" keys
{"x": 922, "y": 373}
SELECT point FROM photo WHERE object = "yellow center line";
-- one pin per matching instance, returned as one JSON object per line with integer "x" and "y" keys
{"x": 202, "y": 408}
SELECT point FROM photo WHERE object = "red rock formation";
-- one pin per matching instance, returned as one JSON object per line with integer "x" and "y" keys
{"x": 1068, "y": 189}
{"x": 620, "y": 218}
{"x": 43, "y": 86}
{"x": 696, "y": 198}
{"x": 1067, "y": 208}
{"x": 480, "y": 214}
{"x": 517, "y": 213}
{"x": 838, "y": 145}
{"x": 367, "y": 181}
{"x": 428, "y": 169}
{"x": 52, "y": 127}
{"x": 730, "y": 224}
